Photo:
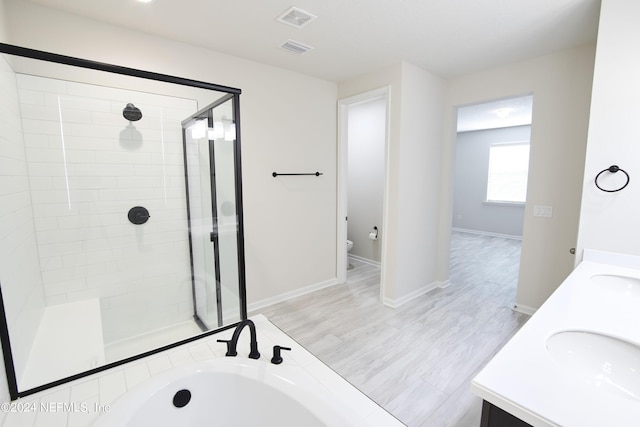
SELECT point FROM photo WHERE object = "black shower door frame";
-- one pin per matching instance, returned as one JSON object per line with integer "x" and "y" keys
{"x": 207, "y": 113}
{"x": 232, "y": 93}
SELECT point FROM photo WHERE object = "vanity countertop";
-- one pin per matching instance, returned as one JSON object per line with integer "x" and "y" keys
{"x": 602, "y": 297}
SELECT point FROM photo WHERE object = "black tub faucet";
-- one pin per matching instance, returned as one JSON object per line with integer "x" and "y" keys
{"x": 233, "y": 343}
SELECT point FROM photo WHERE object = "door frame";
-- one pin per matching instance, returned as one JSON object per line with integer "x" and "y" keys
{"x": 341, "y": 223}
{"x": 454, "y": 164}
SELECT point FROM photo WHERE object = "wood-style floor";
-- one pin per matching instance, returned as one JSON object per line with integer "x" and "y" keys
{"x": 417, "y": 360}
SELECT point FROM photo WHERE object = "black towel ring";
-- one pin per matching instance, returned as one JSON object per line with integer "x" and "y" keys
{"x": 612, "y": 169}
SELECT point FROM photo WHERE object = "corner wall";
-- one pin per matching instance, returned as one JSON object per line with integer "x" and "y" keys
{"x": 414, "y": 169}
{"x": 419, "y": 172}
{"x": 609, "y": 221}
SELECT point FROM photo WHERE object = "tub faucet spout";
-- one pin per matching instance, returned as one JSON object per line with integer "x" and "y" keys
{"x": 232, "y": 344}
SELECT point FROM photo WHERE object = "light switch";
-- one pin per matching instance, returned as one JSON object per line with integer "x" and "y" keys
{"x": 543, "y": 211}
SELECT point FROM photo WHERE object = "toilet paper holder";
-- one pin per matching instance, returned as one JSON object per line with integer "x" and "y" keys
{"x": 374, "y": 234}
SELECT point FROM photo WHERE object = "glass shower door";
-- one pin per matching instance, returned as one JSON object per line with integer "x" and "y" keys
{"x": 212, "y": 166}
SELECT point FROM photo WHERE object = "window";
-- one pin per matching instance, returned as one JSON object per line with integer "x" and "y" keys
{"x": 508, "y": 171}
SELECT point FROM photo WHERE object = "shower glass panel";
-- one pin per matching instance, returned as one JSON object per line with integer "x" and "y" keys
{"x": 210, "y": 149}
{"x": 120, "y": 226}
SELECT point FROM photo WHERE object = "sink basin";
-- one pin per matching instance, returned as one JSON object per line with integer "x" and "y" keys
{"x": 628, "y": 286}
{"x": 603, "y": 361}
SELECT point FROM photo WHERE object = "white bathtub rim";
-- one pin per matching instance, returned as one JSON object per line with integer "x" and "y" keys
{"x": 291, "y": 380}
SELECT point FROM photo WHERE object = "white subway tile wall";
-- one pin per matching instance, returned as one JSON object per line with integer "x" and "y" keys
{"x": 88, "y": 166}
{"x": 19, "y": 264}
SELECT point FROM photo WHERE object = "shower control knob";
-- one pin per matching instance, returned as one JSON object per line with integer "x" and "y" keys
{"x": 138, "y": 215}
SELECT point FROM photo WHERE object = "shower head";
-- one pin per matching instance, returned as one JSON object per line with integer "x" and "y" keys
{"x": 132, "y": 113}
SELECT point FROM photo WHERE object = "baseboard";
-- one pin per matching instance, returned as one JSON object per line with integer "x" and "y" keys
{"x": 444, "y": 284}
{"x": 365, "y": 260}
{"x": 288, "y": 295}
{"x": 415, "y": 294}
{"x": 524, "y": 309}
{"x": 487, "y": 233}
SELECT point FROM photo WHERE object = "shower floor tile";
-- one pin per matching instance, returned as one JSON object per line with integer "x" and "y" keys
{"x": 135, "y": 345}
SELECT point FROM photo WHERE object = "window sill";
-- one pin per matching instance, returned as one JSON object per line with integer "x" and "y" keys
{"x": 495, "y": 203}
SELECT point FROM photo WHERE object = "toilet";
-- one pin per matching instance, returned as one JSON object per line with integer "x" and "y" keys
{"x": 349, "y": 247}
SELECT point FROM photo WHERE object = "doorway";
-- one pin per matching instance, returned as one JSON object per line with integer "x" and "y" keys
{"x": 491, "y": 167}
{"x": 362, "y": 176}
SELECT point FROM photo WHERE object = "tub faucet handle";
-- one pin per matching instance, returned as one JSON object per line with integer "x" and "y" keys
{"x": 231, "y": 351}
{"x": 277, "y": 357}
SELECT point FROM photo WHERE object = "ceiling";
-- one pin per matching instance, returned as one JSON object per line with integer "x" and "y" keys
{"x": 496, "y": 114}
{"x": 350, "y": 38}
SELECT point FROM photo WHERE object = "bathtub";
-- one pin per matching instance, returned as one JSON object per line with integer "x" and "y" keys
{"x": 229, "y": 392}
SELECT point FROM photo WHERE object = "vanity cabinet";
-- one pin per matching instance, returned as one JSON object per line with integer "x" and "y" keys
{"x": 492, "y": 416}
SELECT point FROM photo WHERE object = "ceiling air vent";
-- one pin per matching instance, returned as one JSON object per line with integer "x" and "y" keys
{"x": 295, "y": 47}
{"x": 296, "y": 17}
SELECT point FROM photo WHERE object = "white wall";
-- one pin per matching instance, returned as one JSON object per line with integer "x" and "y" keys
{"x": 414, "y": 167}
{"x": 3, "y": 26}
{"x": 288, "y": 124}
{"x": 609, "y": 221}
{"x": 366, "y": 175}
{"x": 420, "y": 170}
{"x": 561, "y": 87}
{"x": 471, "y": 171}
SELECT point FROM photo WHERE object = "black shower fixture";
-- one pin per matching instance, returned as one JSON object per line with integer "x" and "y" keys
{"x": 132, "y": 113}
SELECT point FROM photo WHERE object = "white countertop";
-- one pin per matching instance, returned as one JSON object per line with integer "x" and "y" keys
{"x": 525, "y": 380}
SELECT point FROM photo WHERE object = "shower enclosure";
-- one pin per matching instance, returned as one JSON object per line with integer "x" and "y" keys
{"x": 209, "y": 145}
{"x": 121, "y": 227}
